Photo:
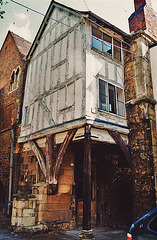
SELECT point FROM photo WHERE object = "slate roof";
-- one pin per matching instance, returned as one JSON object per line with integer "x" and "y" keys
{"x": 22, "y": 44}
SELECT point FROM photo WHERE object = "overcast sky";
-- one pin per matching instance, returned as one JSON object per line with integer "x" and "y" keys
{"x": 26, "y": 23}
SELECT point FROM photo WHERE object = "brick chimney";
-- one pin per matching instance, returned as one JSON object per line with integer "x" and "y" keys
{"x": 140, "y": 3}
{"x": 144, "y": 18}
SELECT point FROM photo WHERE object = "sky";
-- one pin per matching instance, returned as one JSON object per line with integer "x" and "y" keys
{"x": 26, "y": 23}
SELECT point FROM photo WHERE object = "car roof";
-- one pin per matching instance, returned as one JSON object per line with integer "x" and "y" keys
{"x": 146, "y": 216}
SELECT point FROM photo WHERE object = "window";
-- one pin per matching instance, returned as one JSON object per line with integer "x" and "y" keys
{"x": 12, "y": 81}
{"x": 26, "y": 116}
{"x": 106, "y": 44}
{"x": 153, "y": 225}
{"x": 111, "y": 98}
{"x": 17, "y": 77}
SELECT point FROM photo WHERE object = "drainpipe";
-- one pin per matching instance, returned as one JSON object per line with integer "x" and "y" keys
{"x": 11, "y": 171}
{"x": 18, "y": 119}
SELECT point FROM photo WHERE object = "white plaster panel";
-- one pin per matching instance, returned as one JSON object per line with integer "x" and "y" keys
{"x": 62, "y": 70}
{"x": 53, "y": 102}
{"x": 47, "y": 39}
{"x": 64, "y": 48}
{"x": 57, "y": 53}
{"x": 70, "y": 95}
{"x": 42, "y": 83}
{"x": 52, "y": 35}
{"x": 58, "y": 30}
{"x": 78, "y": 98}
{"x": 37, "y": 87}
{"x": 102, "y": 69}
{"x": 61, "y": 96}
{"x": 54, "y": 76}
{"x": 111, "y": 71}
{"x": 40, "y": 114}
{"x": 48, "y": 72}
{"x": 65, "y": 22}
{"x": 35, "y": 116}
{"x": 71, "y": 54}
{"x": 60, "y": 118}
{"x": 78, "y": 53}
{"x": 68, "y": 116}
{"x": 119, "y": 76}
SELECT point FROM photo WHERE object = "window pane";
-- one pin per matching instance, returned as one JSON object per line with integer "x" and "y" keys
{"x": 120, "y": 102}
{"x": 112, "y": 101}
{"x": 17, "y": 77}
{"x": 107, "y": 44}
{"x": 26, "y": 116}
{"x": 153, "y": 225}
{"x": 117, "y": 50}
{"x": 96, "y": 33}
{"x": 103, "y": 95}
{"x": 97, "y": 43}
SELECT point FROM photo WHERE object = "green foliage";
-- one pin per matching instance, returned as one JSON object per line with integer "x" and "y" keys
{"x": 1, "y": 11}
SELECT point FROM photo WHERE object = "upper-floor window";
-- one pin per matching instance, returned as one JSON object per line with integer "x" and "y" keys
{"x": 106, "y": 44}
{"x": 17, "y": 76}
{"x": 26, "y": 116}
{"x": 12, "y": 81}
{"x": 111, "y": 98}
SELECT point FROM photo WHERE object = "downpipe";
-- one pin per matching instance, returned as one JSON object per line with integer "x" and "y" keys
{"x": 11, "y": 173}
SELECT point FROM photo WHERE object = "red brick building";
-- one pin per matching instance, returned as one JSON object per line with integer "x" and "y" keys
{"x": 12, "y": 78}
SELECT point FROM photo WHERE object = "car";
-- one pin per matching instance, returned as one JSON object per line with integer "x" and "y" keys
{"x": 145, "y": 228}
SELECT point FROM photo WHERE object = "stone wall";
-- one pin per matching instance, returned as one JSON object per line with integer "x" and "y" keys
{"x": 141, "y": 119}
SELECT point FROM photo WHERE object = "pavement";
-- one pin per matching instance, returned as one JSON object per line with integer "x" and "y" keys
{"x": 5, "y": 234}
{"x": 99, "y": 233}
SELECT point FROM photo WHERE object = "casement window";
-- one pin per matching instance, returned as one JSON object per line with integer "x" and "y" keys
{"x": 17, "y": 77}
{"x": 111, "y": 98}
{"x": 12, "y": 81}
{"x": 106, "y": 44}
{"x": 26, "y": 116}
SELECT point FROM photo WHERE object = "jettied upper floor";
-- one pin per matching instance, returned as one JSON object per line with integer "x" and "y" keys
{"x": 75, "y": 77}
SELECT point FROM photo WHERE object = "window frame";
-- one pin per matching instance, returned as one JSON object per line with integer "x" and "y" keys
{"x": 114, "y": 47}
{"x": 116, "y": 111}
{"x": 26, "y": 116}
{"x": 12, "y": 81}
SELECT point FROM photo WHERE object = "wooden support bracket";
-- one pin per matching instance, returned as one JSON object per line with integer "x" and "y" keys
{"x": 39, "y": 155}
{"x": 62, "y": 150}
{"x": 122, "y": 145}
{"x": 51, "y": 155}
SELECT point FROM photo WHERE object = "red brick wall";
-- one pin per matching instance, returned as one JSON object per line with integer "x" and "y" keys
{"x": 10, "y": 59}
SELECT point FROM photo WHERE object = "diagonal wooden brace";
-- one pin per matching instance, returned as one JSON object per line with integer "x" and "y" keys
{"x": 62, "y": 150}
{"x": 122, "y": 145}
{"x": 39, "y": 155}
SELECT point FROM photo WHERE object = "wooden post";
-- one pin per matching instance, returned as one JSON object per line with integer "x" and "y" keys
{"x": 51, "y": 155}
{"x": 87, "y": 179}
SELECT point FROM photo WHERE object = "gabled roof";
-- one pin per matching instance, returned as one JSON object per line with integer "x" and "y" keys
{"x": 87, "y": 14}
{"x": 22, "y": 44}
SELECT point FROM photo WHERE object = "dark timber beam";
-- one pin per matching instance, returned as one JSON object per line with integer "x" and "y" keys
{"x": 87, "y": 179}
{"x": 51, "y": 155}
{"x": 122, "y": 145}
{"x": 61, "y": 153}
{"x": 39, "y": 155}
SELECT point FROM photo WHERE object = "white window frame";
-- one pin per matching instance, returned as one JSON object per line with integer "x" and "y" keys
{"x": 117, "y": 111}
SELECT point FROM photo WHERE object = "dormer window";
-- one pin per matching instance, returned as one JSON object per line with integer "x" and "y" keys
{"x": 106, "y": 44}
{"x": 12, "y": 81}
{"x": 17, "y": 76}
